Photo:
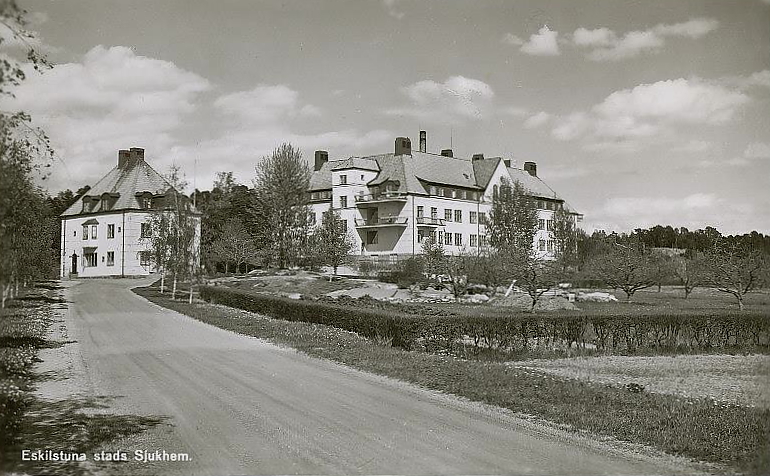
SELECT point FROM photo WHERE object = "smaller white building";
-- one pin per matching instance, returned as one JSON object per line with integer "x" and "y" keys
{"x": 105, "y": 233}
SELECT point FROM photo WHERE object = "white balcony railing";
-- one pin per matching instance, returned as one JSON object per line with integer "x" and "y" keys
{"x": 430, "y": 221}
{"x": 381, "y": 197}
{"x": 382, "y": 221}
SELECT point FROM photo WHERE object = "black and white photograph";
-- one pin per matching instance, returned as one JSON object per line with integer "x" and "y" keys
{"x": 384, "y": 237}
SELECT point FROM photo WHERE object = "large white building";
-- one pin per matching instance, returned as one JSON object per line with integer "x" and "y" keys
{"x": 392, "y": 201}
{"x": 105, "y": 232}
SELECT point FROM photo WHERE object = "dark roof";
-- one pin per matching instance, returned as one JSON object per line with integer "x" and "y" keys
{"x": 484, "y": 170}
{"x": 123, "y": 184}
{"x": 533, "y": 184}
{"x": 364, "y": 163}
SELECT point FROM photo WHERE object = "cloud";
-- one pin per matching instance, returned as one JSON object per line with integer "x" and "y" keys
{"x": 695, "y": 146}
{"x": 264, "y": 104}
{"x": 112, "y": 98}
{"x": 606, "y": 45}
{"x": 515, "y": 111}
{"x": 455, "y": 100}
{"x": 649, "y": 110}
{"x": 542, "y": 43}
{"x": 757, "y": 150}
{"x": 511, "y": 39}
{"x": 390, "y": 6}
{"x": 757, "y": 79}
{"x": 537, "y": 120}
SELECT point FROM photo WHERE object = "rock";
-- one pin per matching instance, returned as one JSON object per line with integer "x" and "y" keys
{"x": 294, "y": 295}
{"x": 596, "y": 297}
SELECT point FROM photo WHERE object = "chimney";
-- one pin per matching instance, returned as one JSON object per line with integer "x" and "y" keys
{"x": 507, "y": 162}
{"x": 321, "y": 157}
{"x": 423, "y": 141}
{"x": 403, "y": 146}
{"x": 447, "y": 152}
{"x": 123, "y": 157}
{"x": 477, "y": 157}
{"x": 136, "y": 155}
{"x": 531, "y": 168}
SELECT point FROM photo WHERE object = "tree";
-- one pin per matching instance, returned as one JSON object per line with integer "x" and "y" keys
{"x": 624, "y": 265}
{"x": 512, "y": 223}
{"x": 565, "y": 238}
{"x": 536, "y": 275}
{"x": 735, "y": 270}
{"x": 26, "y": 225}
{"x": 333, "y": 240}
{"x": 281, "y": 187}
{"x": 690, "y": 269}
{"x": 433, "y": 254}
{"x": 235, "y": 244}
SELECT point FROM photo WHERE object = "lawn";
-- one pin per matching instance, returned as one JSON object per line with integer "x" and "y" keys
{"x": 734, "y": 435}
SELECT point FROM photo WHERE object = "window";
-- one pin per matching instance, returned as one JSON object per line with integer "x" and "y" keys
{"x": 447, "y": 238}
{"x": 473, "y": 218}
{"x": 541, "y": 224}
{"x": 420, "y": 236}
{"x": 474, "y": 241}
{"x": 448, "y": 215}
{"x": 494, "y": 192}
{"x": 483, "y": 218}
{"x": 482, "y": 240}
{"x": 105, "y": 203}
{"x": 420, "y": 211}
{"x": 549, "y": 225}
{"x": 541, "y": 204}
{"x": 440, "y": 192}
{"x": 432, "y": 190}
{"x": 362, "y": 177}
{"x": 434, "y": 212}
{"x": 147, "y": 202}
{"x": 93, "y": 231}
{"x": 344, "y": 224}
{"x": 458, "y": 239}
{"x": 541, "y": 245}
{"x": 146, "y": 230}
{"x": 344, "y": 201}
{"x": 550, "y": 245}
{"x": 459, "y": 216}
{"x": 343, "y": 179}
{"x": 371, "y": 237}
{"x": 110, "y": 258}
{"x": 145, "y": 258}
{"x": 110, "y": 231}
{"x": 90, "y": 259}
{"x": 85, "y": 232}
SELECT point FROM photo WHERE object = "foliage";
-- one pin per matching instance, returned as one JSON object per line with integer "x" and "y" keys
{"x": 690, "y": 269}
{"x": 536, "y": 275}
{"x": 281, "y": 185}
{"x": 565, "y": 237}
{"x": 735, "y": 270}
{"x": 512, "y": 223}
{"x": 26, "y": 226}
{"x": 433, "y": 254}
{"x": 334, "y": 243}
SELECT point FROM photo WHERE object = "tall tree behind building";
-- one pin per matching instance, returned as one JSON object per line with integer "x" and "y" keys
{"x": 281, "y": 187}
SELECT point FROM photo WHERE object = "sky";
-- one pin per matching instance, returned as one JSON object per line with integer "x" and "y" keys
{"x": 637, "y": 112}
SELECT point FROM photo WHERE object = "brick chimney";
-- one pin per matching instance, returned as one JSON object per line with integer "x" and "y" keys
{"x": 507, "y": 162}
{"x": 123, "y": 157}
{"x": 447, "y": 152}
{"x": 477, "y": 157}
{"x": 403, "y": 146}
{"x": 531, "y": 168}
{"x": 423, "y": 141}
{"x": 136, "y": 155}
{"x": 321, "y": 157}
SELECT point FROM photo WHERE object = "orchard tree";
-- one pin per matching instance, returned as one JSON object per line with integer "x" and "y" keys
{"x": 735, "y": 270}
{"x": 281, "y": 187}
{"x": 690, "y": 269}
{"x": 565, "y": 237}
{"x": 624, "y": 265}
{"x": 334, "y": 243}
{"x": 536, "y": 275}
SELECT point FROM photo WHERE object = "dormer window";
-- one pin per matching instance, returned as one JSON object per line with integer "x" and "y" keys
{"x": 147, "y": 202}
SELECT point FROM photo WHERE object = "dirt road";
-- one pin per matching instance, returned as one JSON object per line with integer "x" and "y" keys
{"x": 238, "y": 405}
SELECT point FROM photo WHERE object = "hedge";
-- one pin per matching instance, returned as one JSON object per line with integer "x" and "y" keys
{"x": 520, "y": 333}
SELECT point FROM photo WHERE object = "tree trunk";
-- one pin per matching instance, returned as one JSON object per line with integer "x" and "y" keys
{"x": 162, "y": 282}
{"x": 173, "y": 290}
{"x": 740, "y": 301}
{"x": 687, "y": 292}
{"x": 191, "y": 292}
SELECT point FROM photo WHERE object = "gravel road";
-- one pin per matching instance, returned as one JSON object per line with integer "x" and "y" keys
{"x": 239, "y": 405}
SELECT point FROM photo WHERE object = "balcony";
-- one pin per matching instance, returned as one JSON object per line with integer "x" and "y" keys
{"x": 381, "y": 222}
{"x": 429, "y": 221}
{"x": 364, "y": 200}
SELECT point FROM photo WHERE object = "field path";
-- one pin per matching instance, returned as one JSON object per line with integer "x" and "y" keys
{"x": 239, "y": 405}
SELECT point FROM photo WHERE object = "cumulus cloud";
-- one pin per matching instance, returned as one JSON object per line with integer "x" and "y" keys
{"x": 757, "y": 150}
{"x": 455, "y": 100}
{"x": 606, "y": 45}
{"x": 264, "y": 104}
{"x": 542, "y": 43}
{"x": 112, "y": 98}
{"x": 650, "y": 109}
{"x": 757, "y": 79}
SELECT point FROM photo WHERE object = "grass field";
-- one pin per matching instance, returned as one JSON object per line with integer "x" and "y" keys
{"x": 732, "y": 435}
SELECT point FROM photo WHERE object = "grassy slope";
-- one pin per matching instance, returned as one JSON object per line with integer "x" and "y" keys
{"x": 733, "y": 435}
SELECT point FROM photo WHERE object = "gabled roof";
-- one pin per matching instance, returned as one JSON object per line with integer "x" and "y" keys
{"x": 363, "y": 163}
{"x": 123, "y": 184}
{"x": 484, "y": 170}
{"x": 533, "y": 184}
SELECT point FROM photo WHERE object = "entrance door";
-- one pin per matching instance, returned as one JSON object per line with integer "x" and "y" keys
{"x": 74, "y": 268}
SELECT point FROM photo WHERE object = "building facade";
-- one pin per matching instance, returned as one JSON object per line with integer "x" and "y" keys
{"x": 392, "y": 202}
{"x": 106, "y": 232}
